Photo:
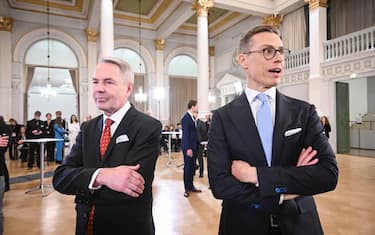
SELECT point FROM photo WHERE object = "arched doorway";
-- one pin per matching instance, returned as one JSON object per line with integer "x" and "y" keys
{"x": 51, "y": 85}
{"x": 182, "y": 71}
{"x": 140, "y": 83}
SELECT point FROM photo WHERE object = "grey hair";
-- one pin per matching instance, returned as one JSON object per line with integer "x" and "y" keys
{"x": 124, "y": 67}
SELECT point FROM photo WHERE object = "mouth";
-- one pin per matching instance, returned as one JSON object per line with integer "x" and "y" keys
{"x": 275, "y": 70}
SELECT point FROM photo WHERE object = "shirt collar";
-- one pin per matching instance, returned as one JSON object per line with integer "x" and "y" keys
{"x": 251, "y": 94}
{"x": 119, "y": 114}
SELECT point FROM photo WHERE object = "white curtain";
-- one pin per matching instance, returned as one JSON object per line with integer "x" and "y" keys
{"x": 181, "y": 90}
{"x": 293, "y": 30}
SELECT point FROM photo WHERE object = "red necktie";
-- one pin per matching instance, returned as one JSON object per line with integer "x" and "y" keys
{"x": 104, "y": 141}
{"x": 106, "y": 137}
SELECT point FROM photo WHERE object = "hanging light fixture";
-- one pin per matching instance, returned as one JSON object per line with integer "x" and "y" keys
{"x": 48, "y": 91}
{"x": 140, "y": 96}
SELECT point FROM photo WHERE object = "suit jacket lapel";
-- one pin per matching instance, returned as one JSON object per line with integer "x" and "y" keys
{"x": 244, "y": 123}
{"x": 96, "y": 132}
{"x": 123, "y": 128}
{"x": 281, "y": 119}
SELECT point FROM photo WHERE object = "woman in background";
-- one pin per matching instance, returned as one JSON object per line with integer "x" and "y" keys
{"x": 326, "y": 125}
{"x": 73, "y": 128}
{"x": 59, "y": 134}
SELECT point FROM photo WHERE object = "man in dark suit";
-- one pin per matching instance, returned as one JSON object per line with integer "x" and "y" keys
{"x": 5, "y": 132}
{"x": 189, "y": 146}
{"x": 110, "y": 169}
{"x": 34, "y": 130}
{"x": 267, "y": 157}
{"x": 49, "y": 132}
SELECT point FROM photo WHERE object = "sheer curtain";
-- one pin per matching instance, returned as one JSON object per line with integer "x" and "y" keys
{"x": 348, "y": 16}
{"x": 182, "y": 89}
{"x": 29, "y": 77}
{"x": 293, "y": 30}
{"x": 75, "y": 81}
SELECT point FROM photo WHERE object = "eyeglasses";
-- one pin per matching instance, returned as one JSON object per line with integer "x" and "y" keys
{"x": 270, "y": 52}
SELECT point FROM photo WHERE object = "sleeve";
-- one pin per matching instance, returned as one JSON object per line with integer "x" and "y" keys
{"x": 71, "y": 177}
{"x": 306, "y": 180}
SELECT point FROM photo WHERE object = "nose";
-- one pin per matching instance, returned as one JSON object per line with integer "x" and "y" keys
{"x": 98, "y": 87}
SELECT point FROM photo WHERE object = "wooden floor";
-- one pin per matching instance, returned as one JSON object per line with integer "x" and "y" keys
{"x": 349, "y": 210}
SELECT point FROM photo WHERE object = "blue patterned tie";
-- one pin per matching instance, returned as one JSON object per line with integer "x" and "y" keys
{"x": 265, "y": 126}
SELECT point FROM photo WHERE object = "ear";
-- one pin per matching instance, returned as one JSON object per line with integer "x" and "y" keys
{"x": 242, "y": 60}
{"x": 129, "y": 89}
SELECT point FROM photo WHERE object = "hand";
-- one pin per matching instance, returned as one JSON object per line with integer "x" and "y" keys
{"x": 244, "y": 172}
{"x": 306, "y": 157}
{"x": 123, "y": 179}
{"x": 189, "y": 153}
{"x": 20, "y": 142}
{"x": 4, "y": 141}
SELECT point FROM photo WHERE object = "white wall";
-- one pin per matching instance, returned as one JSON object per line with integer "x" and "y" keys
{"x": 357, "y": 97}
{"x": 298, "y": 91}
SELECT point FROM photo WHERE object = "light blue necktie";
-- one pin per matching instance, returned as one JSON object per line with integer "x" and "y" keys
{"x": 265, "y": 126}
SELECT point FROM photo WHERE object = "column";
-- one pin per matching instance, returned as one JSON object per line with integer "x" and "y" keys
{"x": 106, "y": 29}
{"x": 202, "y": 6}
{"x": 92, "y": 56}
{"x": 5, "y": 67}
{"x": 212, "y": 95}
{"x": 318, "y": 86}
{"x": 160, "y": 94}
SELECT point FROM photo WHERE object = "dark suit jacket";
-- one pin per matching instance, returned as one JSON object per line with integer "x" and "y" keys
{"x": 202, "y": 131}
{"x": 189, "y": 134}
{"x": 246, "y": 208}
{"x": 4, "y": 131}
{"x": 115, "y": 212}
{"x": 34, "y": 125}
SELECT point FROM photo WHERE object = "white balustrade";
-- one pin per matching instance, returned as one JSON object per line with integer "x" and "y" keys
{"x": 298, "y": 58}
{"x": 354, "y": 43}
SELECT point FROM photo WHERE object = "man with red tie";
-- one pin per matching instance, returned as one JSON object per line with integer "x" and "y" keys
{"x": 111, "y": 167}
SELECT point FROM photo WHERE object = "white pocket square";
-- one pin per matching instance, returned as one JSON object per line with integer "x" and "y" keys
{"x": 122, "y": 138}
{"x": 292, "y": 131}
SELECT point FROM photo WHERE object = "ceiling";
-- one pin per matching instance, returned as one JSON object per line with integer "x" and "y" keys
{"x": 164, "y": 17}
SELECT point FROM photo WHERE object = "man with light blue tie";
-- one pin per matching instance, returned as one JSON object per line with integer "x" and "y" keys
{"x": 267, "y": 151}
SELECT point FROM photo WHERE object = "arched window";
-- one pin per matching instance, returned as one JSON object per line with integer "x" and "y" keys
{"x": 138, "y": 66}
{"x": 59, "y": 90}
{"x": 182, "y": 71}
{"x": 183, "y": 65}
{"x": 132, "y": 58}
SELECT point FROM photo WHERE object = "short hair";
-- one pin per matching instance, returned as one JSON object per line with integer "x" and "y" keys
{"x": 48, "y": 114}
{"x": 246, "y": 39}
{"x": 191, "y": 103}
{"x": 37, "y": 113}
{"x": 125, "y": 68}
{"x": 58, "y": 113}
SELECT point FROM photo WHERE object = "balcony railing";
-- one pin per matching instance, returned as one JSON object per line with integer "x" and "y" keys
{"x": 298, "y": 58}
{"x": 350, "y": 44}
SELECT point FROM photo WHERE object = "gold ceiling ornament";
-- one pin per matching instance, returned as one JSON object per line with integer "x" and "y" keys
{"x": 317, "y": 3}
{"x": 6, "y": 23}
{"x": 274, "y": 20}
{"x": 202, "y": 6}
{"x": 91, "y": 35}
{"x": 211, "y": 51}
{"x": 159, "y": 44}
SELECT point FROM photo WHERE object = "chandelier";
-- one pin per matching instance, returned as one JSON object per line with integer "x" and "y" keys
{"x": 140, "y": 96}
{"x": 48, "y": 91}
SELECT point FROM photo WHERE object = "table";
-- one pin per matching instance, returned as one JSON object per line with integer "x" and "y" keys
{"x": 42, "y": 142}
{"x": 170, "y": 133}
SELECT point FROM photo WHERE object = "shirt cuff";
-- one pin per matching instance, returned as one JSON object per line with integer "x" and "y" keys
{"x": 281, "y": 199}
{"x": 92, "y": 181}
